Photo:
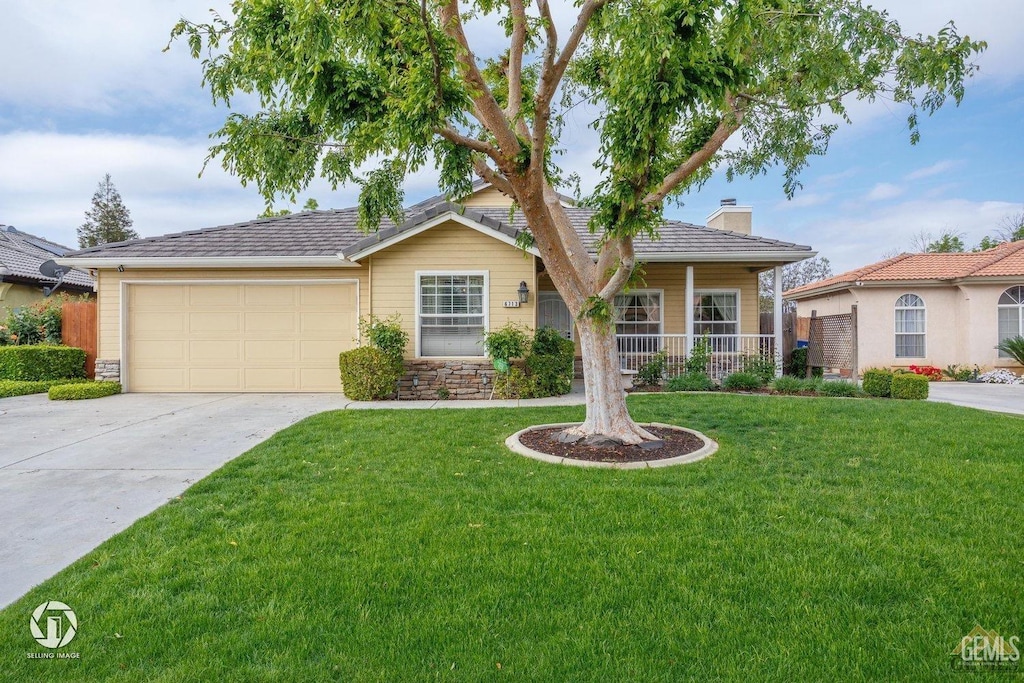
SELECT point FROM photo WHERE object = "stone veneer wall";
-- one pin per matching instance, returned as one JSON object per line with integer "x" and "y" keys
{"x": 462, "y": 378}
{"x": 108, "y": 370}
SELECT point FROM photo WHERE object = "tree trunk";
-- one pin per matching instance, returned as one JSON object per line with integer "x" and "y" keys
{"x": 607, "y": 415}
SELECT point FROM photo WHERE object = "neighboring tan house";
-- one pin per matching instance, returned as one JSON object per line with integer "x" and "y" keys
{"x": 929, "y": 309}
{"x": 21, "y": 283}
{"x": 268, "y": 304}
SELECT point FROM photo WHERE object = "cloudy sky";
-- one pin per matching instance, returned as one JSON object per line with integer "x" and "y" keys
{"x": 85, "y": 89}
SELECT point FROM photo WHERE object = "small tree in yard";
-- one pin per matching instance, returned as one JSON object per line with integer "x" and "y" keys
{"x": 793, "y": 275}
{"x": 396, "y": 84}
{"x": 108, "y": 220}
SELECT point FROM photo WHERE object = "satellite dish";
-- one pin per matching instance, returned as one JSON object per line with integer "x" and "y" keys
{"x": 51, "y": 269}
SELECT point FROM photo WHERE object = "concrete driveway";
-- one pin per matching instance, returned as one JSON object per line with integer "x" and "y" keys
{"x": 74, "y": 473}
{"x": 1001, "y": 398}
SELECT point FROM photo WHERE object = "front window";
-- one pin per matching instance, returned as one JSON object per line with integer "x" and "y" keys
{"x": 638, "y": 321}
{"x": 1011, "y": 315}
{"x": 910, "y": 327}
{"x": 716, "y": 313}
{"x": 451, "y": 319}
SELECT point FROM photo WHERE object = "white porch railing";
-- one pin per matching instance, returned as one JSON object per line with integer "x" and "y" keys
{"x": 729, "y": 352}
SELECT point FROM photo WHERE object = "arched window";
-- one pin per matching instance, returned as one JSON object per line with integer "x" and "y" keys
{"x": 1011, "y": 315}
{"x": 910, "y": 327}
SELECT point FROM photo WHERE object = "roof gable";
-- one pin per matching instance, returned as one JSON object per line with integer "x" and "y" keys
{"x": 22, "y": 254}
{"x": 1004, "y": 260}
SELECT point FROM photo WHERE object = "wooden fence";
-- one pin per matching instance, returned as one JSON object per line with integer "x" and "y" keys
{"x": 78, "y": 328}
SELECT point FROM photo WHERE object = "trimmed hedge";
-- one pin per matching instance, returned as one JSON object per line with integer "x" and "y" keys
{"x": 17, "y": 387}
{"x": 878, "y": 382}
{"x": 41, "y": 362}
{"x": 82, "y": 390}
{"x": 909, "y": 386}
{"x": 368, "y": 373}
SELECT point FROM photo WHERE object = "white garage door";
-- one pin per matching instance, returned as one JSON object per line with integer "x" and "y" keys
{"x": 239, "y": 337}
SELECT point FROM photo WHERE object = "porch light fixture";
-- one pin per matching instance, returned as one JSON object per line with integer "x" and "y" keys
{"x": 524, "y": 292}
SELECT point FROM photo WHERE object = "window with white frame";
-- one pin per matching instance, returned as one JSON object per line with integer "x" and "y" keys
{"x": 451, "y": 314}
{"x": 1011, "y": 315}
{"x": 638, "y": 321}
{"x": 910, "y": 327}
{"x": 716, "y": 312}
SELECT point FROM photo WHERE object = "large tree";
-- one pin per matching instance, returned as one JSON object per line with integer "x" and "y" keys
{"x": 108, "y": 220}
{"x": 793, "y": 275}
{"x": 392, "y": 85}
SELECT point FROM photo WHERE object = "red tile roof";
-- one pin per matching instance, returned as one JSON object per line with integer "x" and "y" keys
{"x": 1007, "y": 259}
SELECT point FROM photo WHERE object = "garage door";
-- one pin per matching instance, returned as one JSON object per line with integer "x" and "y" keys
{"x": 238, "y": 337}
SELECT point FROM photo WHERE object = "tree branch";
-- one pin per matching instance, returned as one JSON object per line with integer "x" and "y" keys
{"x": 728, "y": 125}
{"x": 491, "y": 176}
{"x": 486, "y": 108}
{"x": 438, "y": 90}
{"x": 515, "y": 59}
{"x": 618, "y": 280}
{"x": 456, "y": 138}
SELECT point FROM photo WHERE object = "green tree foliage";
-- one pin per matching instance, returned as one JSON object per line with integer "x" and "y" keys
{"x": 369, "y": 91}
{"x": 108, "y": 220}
{"x": 1011, "y": 229}
{"x": 947, "y": 243}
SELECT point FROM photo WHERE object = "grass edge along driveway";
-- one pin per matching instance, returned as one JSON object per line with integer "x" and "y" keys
{"x": 827, "y": 539}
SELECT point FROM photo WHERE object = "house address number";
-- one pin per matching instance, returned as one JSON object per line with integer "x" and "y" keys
{"x": 511, "y": 304}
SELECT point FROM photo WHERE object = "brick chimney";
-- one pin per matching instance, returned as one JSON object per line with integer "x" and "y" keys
{"x": 730, "y": 217}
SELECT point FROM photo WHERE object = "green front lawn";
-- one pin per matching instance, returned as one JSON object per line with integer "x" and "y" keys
{"x": 827, "y": 539}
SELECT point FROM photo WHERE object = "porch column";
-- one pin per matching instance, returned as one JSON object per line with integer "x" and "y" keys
{"x": 777, "y": 287}
{"x": 689, "y": 309}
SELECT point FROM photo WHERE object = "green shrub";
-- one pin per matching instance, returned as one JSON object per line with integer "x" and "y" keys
{"x": 17, "y": 387}
{"x": 387, "y": 335}
{"x": 878, "y": 382}
{"x": 508, "y": 342}
{"x": 37, "y": 323}
{"x": 798, "y": 364}
{"x": 81, "y": 390}
{"x": 368, "y": 373}
{"x": 789, "y": 385}
{"x": 513, "y": 384}
{"x": 690, "y": 381}
{"x": 550, "y": 363}
{"x": 838, "y": 388}
{"x": 761, "y": 366}
{"x": 700, "y": 356}
{"x": 742, "y": 381}
{"x": 958, "y": 373}
{"x": 909, "y": 386}
{"x": 41, "y": 362}
{"x": 653, "y": 371}
{"x": 1014, "y": 346}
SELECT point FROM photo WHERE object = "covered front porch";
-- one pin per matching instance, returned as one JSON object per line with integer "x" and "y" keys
{"x": 679, "y": 306}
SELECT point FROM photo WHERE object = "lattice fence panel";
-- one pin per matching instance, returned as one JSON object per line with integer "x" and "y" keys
{"x": 831, "y": 342}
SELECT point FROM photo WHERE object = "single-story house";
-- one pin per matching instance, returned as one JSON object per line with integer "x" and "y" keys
{"x": 21, "y": 283}
{"x": 267, "y": 305}
{"x": 928, "y": 309}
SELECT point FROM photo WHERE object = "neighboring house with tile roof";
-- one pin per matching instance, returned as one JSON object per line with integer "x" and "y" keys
{"x": 929, "y": 309}
{"x": 21, "y": 283}
{"x": 267, "y": 304}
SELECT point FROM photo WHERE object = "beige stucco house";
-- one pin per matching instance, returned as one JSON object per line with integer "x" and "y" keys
{"x": 929, "y": 309}
{"x": 21, "y": 283}
{"x": 267, "y": 305}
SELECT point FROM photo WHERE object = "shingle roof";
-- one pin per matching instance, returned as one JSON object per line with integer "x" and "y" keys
{"x": 1007, "y": 259}
{"x": 327, "y": 233}
{"x": 22, "y": 254}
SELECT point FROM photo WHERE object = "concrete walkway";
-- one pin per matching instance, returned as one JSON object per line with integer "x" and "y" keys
{"x": 74, "y": 473}
{"x": 1001, "y": 398}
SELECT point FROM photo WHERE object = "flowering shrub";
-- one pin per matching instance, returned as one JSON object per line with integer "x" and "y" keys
{"x": 1000, "y": 377}
{"x": 933, "y": 373}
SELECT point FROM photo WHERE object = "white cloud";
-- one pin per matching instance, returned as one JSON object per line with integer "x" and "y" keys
{"x": 852, "y": 237}
{"x": 933, "y": 170}
{"x": 883, "y": 191}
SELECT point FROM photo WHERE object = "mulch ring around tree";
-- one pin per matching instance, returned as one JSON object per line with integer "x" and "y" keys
{"x": 673, "y": 443}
